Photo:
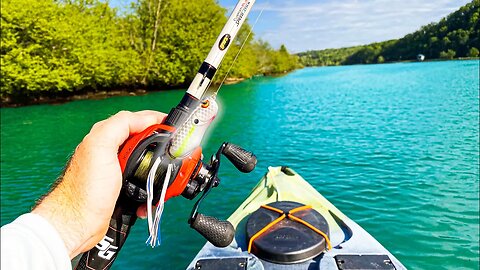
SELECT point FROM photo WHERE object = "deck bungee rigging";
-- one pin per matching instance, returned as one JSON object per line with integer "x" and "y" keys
{"x": 288, "y": 215}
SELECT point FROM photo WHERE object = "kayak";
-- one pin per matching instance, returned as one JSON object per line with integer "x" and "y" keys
{"x": 286, "y": 224}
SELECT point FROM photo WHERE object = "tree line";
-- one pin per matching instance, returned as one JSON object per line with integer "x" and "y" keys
{"x": 455, "y": 36}
{"x": 63, "y": 47}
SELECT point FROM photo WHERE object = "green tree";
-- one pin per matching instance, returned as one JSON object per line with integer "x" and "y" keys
{"x": 473, "y": 52}
{"x": 450, "y": 54}
{"x": 173, "y": 41}
{"x": 53, "y": 47}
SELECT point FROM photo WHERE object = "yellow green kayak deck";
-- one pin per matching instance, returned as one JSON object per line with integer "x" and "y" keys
{"x": 351, "y": 246}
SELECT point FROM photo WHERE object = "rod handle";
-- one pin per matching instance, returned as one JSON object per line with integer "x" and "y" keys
{"x": 105, "y": 252}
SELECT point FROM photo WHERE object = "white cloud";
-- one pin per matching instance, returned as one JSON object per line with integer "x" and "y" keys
{"x": 304, "y": 25}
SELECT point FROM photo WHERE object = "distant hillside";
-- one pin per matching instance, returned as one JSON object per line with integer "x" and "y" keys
{"x": 455, "y": 36}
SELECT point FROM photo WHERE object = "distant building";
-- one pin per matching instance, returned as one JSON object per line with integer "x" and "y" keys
{"x": 420, "y": 57}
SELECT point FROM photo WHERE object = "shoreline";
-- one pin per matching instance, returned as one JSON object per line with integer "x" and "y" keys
{"x": 94, "y": 95}
{"x": 105, "y": 93}
{"x": 404, "y": 61}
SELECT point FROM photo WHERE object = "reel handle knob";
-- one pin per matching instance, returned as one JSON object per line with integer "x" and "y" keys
{"x": 218, "y": 232}
{"x": 242, "y": 159}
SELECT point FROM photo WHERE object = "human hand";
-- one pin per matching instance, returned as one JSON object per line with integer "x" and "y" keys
{"x": 82, "y": 201}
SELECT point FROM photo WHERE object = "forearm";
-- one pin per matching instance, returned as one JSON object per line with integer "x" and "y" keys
{"x": 64, "y": 216}
{"x": 67, "y": 207}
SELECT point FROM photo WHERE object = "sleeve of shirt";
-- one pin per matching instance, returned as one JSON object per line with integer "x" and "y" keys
{"x": 31, "y": 242}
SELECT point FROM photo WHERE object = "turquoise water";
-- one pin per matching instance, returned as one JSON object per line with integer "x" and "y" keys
{"x": 394, "y": 146}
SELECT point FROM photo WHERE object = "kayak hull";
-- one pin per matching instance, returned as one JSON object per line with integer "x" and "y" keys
{"x": 352, "y": 246}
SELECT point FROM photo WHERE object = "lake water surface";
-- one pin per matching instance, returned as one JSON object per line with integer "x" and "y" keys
{"x": 393, "y": 146}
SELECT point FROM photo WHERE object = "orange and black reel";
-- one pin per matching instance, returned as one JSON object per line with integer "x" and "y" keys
{"x": 190, "y": 176}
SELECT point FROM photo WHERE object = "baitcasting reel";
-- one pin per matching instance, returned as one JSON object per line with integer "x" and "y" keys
{"x": 203, "y": 178}
{"x": 187, "y": 176}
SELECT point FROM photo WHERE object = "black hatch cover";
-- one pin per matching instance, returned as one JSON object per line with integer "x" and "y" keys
{"x": 287, "y": 241}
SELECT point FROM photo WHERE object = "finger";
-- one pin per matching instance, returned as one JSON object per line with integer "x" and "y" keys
{"x": 142, "y": 211}
{"x": 115, "y": 130}
{"x": 136, "y": 128}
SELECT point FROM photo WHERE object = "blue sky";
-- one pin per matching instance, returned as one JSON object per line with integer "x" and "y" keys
{"x": 318, "y": 24}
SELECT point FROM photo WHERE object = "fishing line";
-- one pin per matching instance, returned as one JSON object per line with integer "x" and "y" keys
{"x": 240, "y": 50}
{"x": 160, "y": 207}
{"x": 149, "y": 188}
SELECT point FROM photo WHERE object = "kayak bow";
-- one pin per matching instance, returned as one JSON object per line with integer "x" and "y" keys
{"x": 280, "y": 246}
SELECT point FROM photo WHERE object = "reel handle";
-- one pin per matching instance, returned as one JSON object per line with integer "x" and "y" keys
{"x": 218, "y": 232}
{"x": 105, "y": 252}
{"x": 242, "y": 159}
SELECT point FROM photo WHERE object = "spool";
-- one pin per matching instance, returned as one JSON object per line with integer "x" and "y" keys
{"x": 141, "y": 173}
{"x": 143, "y": 168}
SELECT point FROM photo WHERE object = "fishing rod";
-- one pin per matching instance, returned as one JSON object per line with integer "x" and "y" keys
{"x": 165, "y": 160}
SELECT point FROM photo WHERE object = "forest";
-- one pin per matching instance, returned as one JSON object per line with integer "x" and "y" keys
{"x": 455, "y": 36}
{"x": 60, "y": 48}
